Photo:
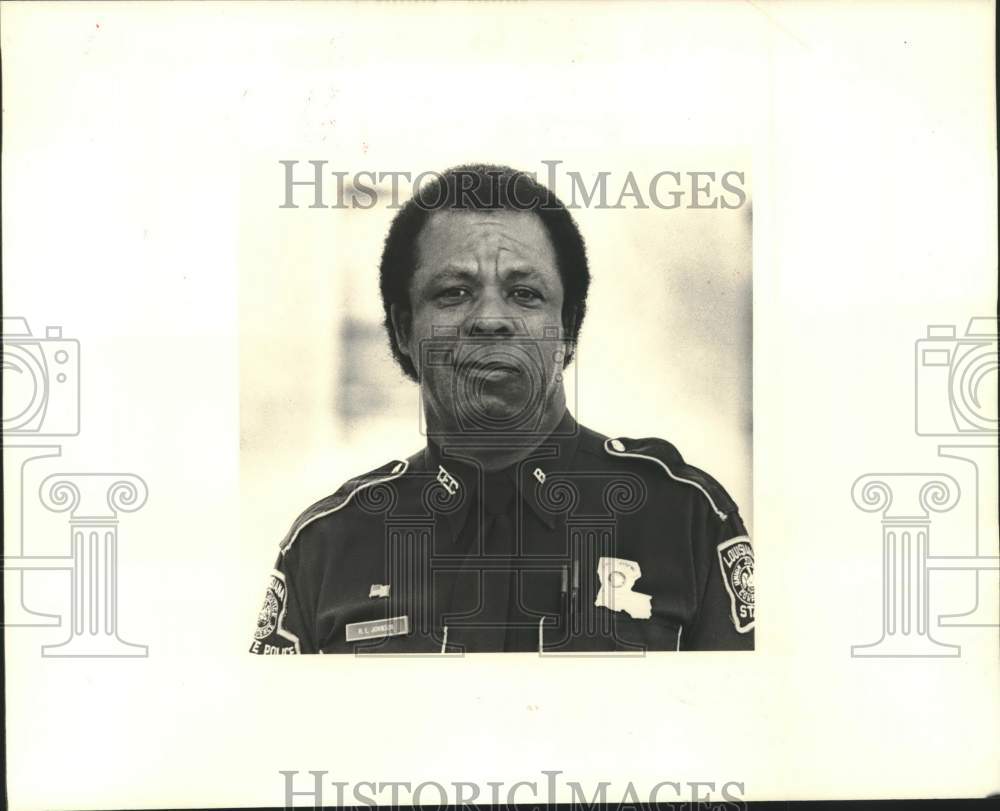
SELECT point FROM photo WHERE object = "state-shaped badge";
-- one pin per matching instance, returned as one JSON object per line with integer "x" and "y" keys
{"x": 617, "y": 577}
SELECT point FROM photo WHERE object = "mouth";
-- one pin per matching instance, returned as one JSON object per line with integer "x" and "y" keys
{"x": 491, "y": 369}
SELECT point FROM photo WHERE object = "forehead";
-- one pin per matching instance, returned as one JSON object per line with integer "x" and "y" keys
{"x": 484, "y": 237}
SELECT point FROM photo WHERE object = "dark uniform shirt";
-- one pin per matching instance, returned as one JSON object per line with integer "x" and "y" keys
{"x": 587, "y": 545}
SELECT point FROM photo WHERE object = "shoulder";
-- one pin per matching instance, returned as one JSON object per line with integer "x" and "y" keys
{"x": 338, "y": 505}
{"x": 652, "y": 456}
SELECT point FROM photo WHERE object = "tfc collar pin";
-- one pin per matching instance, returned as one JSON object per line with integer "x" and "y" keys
{"x": 447, "y": 481}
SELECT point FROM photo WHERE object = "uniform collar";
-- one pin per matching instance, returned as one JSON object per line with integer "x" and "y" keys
{"x": 459, "y": 477}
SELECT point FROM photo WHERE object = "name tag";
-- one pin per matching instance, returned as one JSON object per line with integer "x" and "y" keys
{"x": 394, "y": 626}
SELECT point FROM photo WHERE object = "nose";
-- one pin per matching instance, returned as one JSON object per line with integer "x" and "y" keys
{"x": 493, "y": 320}
{"x": 495, "y": 326}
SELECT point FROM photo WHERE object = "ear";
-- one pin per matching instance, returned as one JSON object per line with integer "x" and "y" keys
{"x": 402, "y": 323}
{"x": 569, "y": 345}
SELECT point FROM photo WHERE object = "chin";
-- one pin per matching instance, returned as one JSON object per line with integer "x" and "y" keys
{"x": 492, "y": 413}
{"x": 500, "y": 410}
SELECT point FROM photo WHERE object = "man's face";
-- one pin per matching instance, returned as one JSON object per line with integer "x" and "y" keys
{"x": 485, "y": 327}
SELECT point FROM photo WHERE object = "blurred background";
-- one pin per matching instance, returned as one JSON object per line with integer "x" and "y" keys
{"x": 665, "y": 349}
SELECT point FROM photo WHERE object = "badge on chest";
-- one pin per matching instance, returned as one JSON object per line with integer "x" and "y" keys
{"x": 617, "y": 578}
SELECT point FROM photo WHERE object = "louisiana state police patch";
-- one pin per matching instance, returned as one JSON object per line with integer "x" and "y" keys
{"x": 736, "y": 565}
{"x": 270, "y": 637}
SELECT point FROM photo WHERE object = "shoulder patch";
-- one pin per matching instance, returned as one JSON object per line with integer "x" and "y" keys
{"x": 340, "y": 499}
{"x": 669, "y": 458}
{"x": 271, "y": 636}
{"x": 736, "y": 566}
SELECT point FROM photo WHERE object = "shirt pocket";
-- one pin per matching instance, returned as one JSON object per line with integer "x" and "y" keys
{"x": 614, "y": 632}
{"x": 641, "y": 635}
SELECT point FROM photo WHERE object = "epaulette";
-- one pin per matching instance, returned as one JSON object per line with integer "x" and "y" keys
{"x": 669, "y": 458}
{"x": 340, "y": 499}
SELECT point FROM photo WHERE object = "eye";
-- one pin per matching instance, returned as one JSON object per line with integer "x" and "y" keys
{"x": 525, "y": 295}
{"x": 452, "y": 295}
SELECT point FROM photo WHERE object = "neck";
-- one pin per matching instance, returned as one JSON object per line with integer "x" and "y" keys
{"x": 503, "y": 449}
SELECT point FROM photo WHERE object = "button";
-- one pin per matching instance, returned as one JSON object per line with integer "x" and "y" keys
{"x": 617, "y": 445}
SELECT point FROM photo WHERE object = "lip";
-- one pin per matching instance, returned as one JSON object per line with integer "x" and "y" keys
{"x": 491, "y": 369}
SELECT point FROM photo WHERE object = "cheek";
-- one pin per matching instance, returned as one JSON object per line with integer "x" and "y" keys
{"x": 427, "y": 316}
{"x": 430, "y": 332}
{"x": 423, "y": 326}
{"x": 547, "y": 318}
{"x": 553, "y": 309}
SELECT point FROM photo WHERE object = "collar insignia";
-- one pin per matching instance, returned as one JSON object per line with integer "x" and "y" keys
{"x": 447, "y": 481}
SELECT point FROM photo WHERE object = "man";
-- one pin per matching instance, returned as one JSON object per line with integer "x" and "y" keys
{"x": 514, "y": 528}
